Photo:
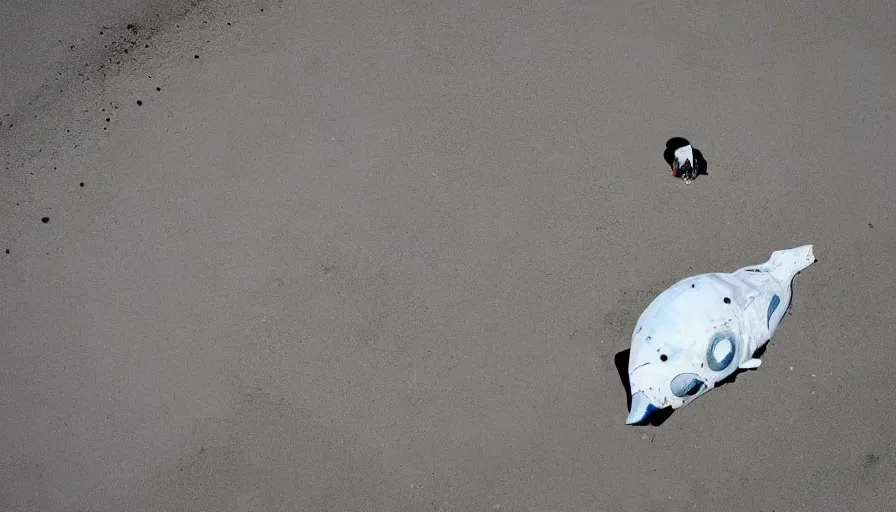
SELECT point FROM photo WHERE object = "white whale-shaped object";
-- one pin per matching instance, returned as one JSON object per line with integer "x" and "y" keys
{"x": 703, "y": 328}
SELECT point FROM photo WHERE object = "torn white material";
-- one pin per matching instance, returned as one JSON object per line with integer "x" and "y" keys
{"x": 703, "y": 328}
{"x": 684, "y": 154}
{"x": 684, "y": 162}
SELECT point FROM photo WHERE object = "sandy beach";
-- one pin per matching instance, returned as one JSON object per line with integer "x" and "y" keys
{"x": 384, "y": 256}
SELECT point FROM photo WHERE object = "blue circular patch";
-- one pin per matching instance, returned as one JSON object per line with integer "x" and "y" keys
{"x": 721, "y": 350}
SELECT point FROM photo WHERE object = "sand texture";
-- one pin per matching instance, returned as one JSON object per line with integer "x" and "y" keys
{"x": 383, "y": 256}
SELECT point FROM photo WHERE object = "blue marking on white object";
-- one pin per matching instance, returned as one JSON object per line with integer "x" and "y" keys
{"x": 773, "y": 305}
{"x": 718, "y": 362}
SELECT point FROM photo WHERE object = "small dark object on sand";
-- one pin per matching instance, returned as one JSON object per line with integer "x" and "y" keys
{"x": 686, "y": 162}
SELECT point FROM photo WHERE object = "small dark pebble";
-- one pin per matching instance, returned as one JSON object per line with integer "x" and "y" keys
{"x": 663, "y": 357}
{"x": 228, "y": 23}
{"x": 108, "y": 118}
{"x": 726, "y": 300}
{"x": 81, "y": 184}
{"x": 870, "y": 226}
{"x": 7, "y": 251}
{"x": 45, "y": 220}
{"x": 139, "y": 102}
{"x": 195, "y": 56}
{"x": 130, "y": 26}
{"x": 158, "y": 88}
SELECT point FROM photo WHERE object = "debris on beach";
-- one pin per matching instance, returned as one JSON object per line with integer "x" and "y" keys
{"x": 687, "y": 162}
{"x": 704, "y": 328}
{"x": 683, "y": 164}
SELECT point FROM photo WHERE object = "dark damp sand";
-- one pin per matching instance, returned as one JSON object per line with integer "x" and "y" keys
{"x": 381, "y": 255}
